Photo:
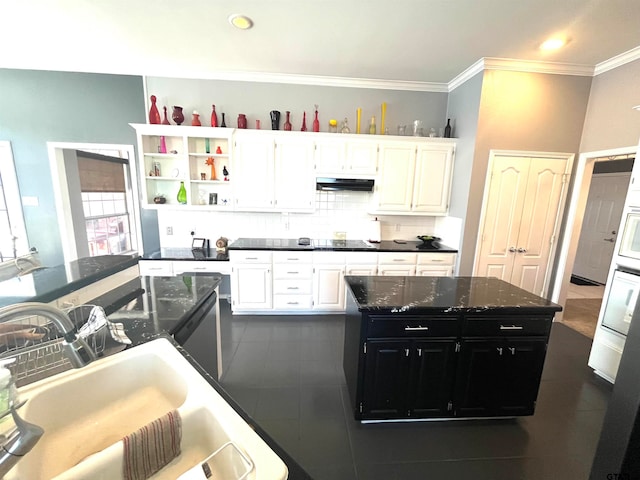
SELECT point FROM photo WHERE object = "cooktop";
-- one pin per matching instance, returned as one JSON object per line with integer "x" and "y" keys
{"x": 340, "y": 244}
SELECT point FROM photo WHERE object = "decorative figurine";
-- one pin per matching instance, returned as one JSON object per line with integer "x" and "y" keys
{"x": 225, "y": 172}
{"x": 219, "y": 150}
{"x": 210, "y": 161}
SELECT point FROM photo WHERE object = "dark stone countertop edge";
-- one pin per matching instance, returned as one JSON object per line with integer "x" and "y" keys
{"x": 376, "y": 248}
{"x": 488, "y": 309}
{"x": 181, "y": 254}
{"x": 62, "y": 290}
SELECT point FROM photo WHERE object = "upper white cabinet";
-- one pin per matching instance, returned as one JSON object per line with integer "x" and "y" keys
{"x": 169, "y": 155}
{"x": 414, "y": 178}
{"x": 273, "y": 172}
{"x": 346, "y": 156}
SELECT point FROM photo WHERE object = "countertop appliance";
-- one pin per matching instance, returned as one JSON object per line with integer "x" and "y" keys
{"x": 630, "y": 242}
{"x": 356, "y": 184}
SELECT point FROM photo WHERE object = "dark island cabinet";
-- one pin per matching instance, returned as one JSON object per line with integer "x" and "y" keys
{"x": 426, "y": 365}
{"x": 498, "y": 377}
{"x": 407, "y": 378}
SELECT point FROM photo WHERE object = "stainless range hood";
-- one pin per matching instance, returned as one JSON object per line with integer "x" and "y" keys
{"x": 357, "y": 184}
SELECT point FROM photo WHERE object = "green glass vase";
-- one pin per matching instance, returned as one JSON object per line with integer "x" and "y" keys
{"x": 182, "y": 194}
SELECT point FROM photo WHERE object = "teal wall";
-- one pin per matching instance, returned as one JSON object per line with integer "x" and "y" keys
{"x": 45, "y": 106}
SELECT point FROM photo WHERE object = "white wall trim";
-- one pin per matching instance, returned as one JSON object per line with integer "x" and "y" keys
{"x": 322, "y": 81}
{"x": 469, "y": 73}
{"x": 61, "y": 193}
{"x": 617, "y": 61}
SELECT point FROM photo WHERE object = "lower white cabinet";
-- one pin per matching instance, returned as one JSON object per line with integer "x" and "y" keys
{"x": 361, "y": 270}
{"x": 251, "y": 287}
{"x": 441, "y": 271}
{"x": 156, "y": 268}
{"x": 329, "y": 287}
{"x": 397, "y": 270}
{"x": 292, "y": 280}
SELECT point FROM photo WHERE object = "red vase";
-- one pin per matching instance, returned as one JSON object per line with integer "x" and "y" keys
{"x": 165, "y": 120}
{"x": 242, "y": 120}
{"x": 154, "y": 114}
{"x": 214, "y": 117}
{"x": 316, "y": 123}
{"x": 287, "y": 123}
{"x": 304, "y": 122}
{"x": 195, "y": 120}
{"x": 177, "y": 115}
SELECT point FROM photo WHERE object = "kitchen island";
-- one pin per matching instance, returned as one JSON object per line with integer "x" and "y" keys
{"x": 443, "y": 347}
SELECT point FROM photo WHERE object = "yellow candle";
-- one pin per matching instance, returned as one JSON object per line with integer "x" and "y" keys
{"x": 384, "y": 114}
{"x": 358, "y": 113}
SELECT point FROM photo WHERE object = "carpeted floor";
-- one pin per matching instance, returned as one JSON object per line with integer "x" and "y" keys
{"x": 581, "y": 314}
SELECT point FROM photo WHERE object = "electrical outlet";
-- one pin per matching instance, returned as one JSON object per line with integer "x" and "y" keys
{"x": 169, "y": 230}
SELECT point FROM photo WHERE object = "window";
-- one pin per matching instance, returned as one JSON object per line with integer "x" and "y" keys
{"x": 104, "y": 202}
{"x": 13, "y": 237}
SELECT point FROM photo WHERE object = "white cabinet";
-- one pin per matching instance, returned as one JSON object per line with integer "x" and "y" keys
{"x": 435, "y": 264}
{"x": 156, "y": 268}
{"x": 273, "y": 172}
{"x": 294, "y": 181}
{"x": 346, "y": 157}
{"x": 414, "y": 178}
{"x": 253, "y": 171}
{"x": 329, "y": 287}
{"x": 361, "y": 263}
{"x": 397, "y": 263}
{"x": 171, "y": 154}
{"x": 292, "y": 280}
{"x": 251, "y": 280}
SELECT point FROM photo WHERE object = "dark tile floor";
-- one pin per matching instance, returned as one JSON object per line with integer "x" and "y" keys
{"x": 286, "y": 372}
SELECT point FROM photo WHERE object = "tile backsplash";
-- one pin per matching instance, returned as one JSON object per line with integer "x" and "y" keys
{"x": 342, "y": 211}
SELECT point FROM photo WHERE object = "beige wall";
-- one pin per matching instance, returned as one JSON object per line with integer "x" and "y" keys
{"x": 521, "y": 111}
{"x": 610, "y": 120}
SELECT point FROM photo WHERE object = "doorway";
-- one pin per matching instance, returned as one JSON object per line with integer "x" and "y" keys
{"x": 524, "y": 199}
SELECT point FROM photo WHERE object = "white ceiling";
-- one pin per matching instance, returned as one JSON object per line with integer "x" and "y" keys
{"x": 408, "y": 40}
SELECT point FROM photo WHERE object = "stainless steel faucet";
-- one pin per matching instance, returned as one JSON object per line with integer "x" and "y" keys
{"x": 21, "y": 439}
{"x": 76, "y": 349}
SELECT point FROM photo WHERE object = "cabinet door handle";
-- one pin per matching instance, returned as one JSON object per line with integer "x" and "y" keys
{"x": 512, "y": 249}
{"x": 499, "y": 350}
{"x": 406, "y": 352}
{"x": 419, "y": 327}
{"x": 522, "y": 250}
{"x": 419, "y": 352}
{"x": 512, "y": 350}
{"x": 511, "y": 327}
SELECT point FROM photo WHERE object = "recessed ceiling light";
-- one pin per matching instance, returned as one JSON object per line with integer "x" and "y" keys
{"x": 241, "y": 21}
{"x": 553, "y": 43}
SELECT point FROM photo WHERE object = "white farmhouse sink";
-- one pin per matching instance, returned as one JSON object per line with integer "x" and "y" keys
{"x": 86, "y": 412}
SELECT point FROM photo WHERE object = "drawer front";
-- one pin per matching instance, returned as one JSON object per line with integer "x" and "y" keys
{"x": 157, "y": 268}
{"x": 361, "y": 258}
{"x": 507, "y": 326}
{"x": 436, "y": 259}
{"x": 292, "y": 257}
{"x": 434, "y": 271}
{"x": 292, "y": 271}
{"x": 293, "y": 302}
{"x": 332, "y": 258}
{"x": 391, "y": 258}
{"x": 293, "y": 287}
{"x": 397, "y": 270}
{"x": 250, "y": 256}
{"x": 358, "y": 269}
{"x": 194, "y": 266}
{"x": 412, "y": 326}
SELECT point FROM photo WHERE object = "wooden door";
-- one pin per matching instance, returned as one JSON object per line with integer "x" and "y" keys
{"x": 522, "y": 213}
{"x": 503, "y": 211}
{"x": 539, "y": 219}
{"x": 607, "y": 194}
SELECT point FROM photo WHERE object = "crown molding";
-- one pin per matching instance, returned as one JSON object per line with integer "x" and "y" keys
{"x": 617, "y": 61}
{"x": 513, "y": 65}
{"x": 325, "y": 81}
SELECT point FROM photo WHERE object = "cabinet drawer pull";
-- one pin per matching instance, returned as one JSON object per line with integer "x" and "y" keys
{"x": 398, "y": 259}
{"x": 199, "y": 268}
{"x": 294, "y": 259}
{"x": 293, "y": 288}
{"x": 511, "y": 327}
{"x": 437, "y": 261}
{"x": 419, "y": 327}
{"x": 250, "y": 258}
{"x": 293, "y": 273}
{"x": 293, "y": 303}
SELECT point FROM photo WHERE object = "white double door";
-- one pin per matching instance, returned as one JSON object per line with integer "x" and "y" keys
{"x": 522, "y": 212}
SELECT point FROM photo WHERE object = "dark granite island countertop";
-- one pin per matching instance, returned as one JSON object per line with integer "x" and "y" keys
{"x": 443, "y": 294}
{"x": 53, "y": 282}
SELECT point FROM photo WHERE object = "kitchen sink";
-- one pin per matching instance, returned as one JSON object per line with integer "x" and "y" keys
{"x": 86, "y": 412}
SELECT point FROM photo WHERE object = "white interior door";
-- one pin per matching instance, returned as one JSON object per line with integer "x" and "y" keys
{"x": 540, "y": 215}
{"x": 503, "y": 210}
{"x": 605, "y": 202}
{"x": 522, "y": 211}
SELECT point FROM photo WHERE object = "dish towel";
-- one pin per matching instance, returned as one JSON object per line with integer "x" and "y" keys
{"x": 152, "y": 447}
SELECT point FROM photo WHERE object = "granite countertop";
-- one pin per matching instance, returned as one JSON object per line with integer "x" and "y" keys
{"x": 442, "y": 294}
{"x": 53, "y": 282}
{"x": 336, "y": 245}
{"x": 205, "y": 254}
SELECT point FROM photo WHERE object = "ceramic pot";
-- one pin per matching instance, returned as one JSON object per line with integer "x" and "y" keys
{"x": 177, "y": 115}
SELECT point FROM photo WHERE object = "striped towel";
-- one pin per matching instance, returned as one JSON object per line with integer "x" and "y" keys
{"x": 152, "y": 447}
